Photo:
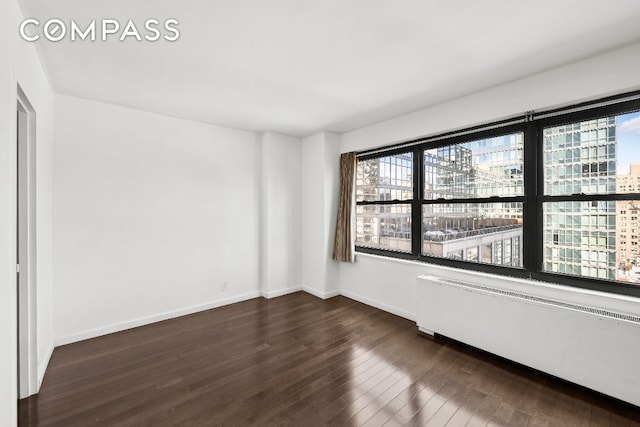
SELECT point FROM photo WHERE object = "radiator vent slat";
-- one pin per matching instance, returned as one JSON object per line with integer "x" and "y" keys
{"x": 541, "y": 300}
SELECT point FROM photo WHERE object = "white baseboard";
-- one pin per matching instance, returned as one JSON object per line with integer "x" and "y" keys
{"x": 312, "y": 291}
{"x": 281, "y": 292}
{"x": 92, "y": 333}
{"x": 426, "y": 331}
{"x": 322, "y": 295}
{"x": 385, "y": 307}
{"x": 42, "y": 366}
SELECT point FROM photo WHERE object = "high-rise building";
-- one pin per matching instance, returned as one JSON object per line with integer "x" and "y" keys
{"x": 627, "y": 224}
{"x": 580, "y": 237}
{"x": 384, "y": 179}
{"x": 488, "y": 232}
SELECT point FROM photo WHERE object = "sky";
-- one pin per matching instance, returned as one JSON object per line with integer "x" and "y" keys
{"x": 628, "y": 136}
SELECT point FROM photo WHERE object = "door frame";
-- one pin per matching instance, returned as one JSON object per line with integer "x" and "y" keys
{"x": 26, "y": 271}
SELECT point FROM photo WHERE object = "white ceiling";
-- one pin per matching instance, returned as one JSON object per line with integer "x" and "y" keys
{"x": 302, "y": 66}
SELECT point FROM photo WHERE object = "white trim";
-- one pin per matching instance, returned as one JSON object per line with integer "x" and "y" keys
{"x": 281, "y": 292}
{"x": 319, "y": 294}
{"x": 122, "y": 326}
{"x": 385, "y": 307}
{"x": 426, "y": 331}
{"x": 92, "y": 333}
{"x": 390, "y": 259}
{"x": 27, "y": 299}
{"x": 42, "y": 367}
{"x": 118, "y": 327}
{"x": 307, "y": 289}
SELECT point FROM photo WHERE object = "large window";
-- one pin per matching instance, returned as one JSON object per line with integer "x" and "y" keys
{"x": 462, "y": 209}
{"x": 554, "y": 197}
{"x": 591, "y": 203}
{"x": 384, "y": 189}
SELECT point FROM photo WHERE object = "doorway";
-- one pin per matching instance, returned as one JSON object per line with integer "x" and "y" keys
{"x": 26, "y": 247}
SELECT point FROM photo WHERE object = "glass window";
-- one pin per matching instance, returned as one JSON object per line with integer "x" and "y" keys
{"x": 472, "y": 227}
{"x": 603, "y": 251}
{"x": 469, "y": 205}
{"x": 482, "y": 168}
{"x": 486, "y": 254}
{"x": 599, "y": 141}
{"x": 497, "y": 252}
{"x": 609, "y": 164}
{"x": 384, "y": 226}
{"x": 472, "y": 254}
{"x": 506, "y": 245}
{"x": 385, "y": 178}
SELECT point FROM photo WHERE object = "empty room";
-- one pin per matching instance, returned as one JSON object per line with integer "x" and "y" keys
{"x": 319, "y": 213}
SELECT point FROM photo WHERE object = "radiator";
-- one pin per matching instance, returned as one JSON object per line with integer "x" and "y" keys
{"x": 593, "y": 344}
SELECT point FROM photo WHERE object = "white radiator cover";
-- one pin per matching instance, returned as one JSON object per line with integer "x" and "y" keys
{"x": 586, "y": 337}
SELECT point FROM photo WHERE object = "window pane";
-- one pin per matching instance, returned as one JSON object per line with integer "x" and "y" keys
{"x": 600, "y": 156}
{"x": 488, "y": 233}
{"x": 483, "y": 168}
{"x": 595, "y": 239}
{"x": 385, "y": 178}
{"x": 384, "y": 226}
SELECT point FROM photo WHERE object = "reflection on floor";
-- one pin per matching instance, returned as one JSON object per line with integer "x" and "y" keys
{"x": 298, "y": 360}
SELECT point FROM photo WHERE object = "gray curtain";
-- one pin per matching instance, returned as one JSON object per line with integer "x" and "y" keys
{"x": 343, "y": 244}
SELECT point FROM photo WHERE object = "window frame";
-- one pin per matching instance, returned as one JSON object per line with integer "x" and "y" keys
{"x": 532, "y": 126}
{"x": 392, "y": 201}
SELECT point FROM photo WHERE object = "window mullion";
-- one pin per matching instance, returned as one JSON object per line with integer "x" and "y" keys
{"x": 532, "y": 217}
{"x": 416, "y": 205}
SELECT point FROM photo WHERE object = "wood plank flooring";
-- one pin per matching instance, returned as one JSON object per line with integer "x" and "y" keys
{"x": 298, "y": 360}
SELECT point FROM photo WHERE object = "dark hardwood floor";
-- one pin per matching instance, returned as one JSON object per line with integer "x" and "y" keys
{"x": 298, "y": 360}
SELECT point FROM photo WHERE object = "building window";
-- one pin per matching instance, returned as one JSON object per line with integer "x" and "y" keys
{"x": 384, "y": 189}
{"x": 545, "y": 198}
{"x": 461, "y": 208}
{"x": 605, "y": 144}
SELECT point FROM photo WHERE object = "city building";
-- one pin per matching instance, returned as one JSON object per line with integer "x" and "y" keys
{"x": 580, "y": 237}
{"x": 386, "y": 178}
{"x": 627, "y": 226}
{"x": 489, "y": 233}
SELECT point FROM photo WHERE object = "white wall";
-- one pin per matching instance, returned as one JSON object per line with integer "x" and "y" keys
{"x": 21, "y": 65}
{"x": 331, "y": 160}
{"x": 280, "y": 222}
{"x": 604, "y": 75}
{"x": 151, "y": 215}
{"x": 387, "y": 283}
{"x": 320, "y": 186}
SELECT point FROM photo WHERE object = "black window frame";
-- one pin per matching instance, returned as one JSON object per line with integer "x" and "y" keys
{"x": 388, "y": 153}
{"x": 532, "y": 125}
